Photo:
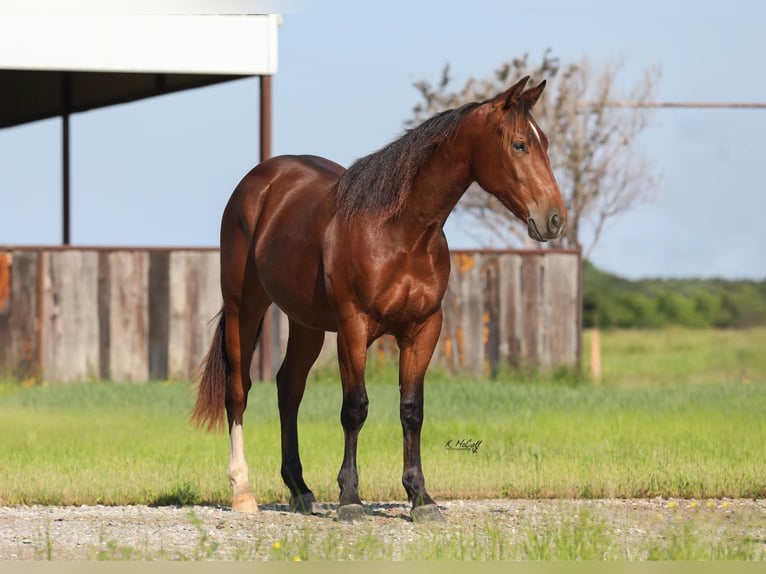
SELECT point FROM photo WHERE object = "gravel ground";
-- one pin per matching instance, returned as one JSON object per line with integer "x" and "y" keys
{"x": 136, "y": 532}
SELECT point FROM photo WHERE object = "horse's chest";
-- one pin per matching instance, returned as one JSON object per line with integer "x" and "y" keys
{"x": 411, "y": 298}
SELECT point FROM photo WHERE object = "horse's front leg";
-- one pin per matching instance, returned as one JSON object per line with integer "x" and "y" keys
{"x": 352, "y": 357}
{"x": 415, "y": 354}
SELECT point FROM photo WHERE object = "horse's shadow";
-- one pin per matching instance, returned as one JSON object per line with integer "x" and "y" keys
{"x": 392, "y": 510}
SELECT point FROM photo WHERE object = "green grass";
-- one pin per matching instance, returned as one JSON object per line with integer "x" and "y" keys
{"x": 674, "y": 417}
{"x": 675, "y": 356}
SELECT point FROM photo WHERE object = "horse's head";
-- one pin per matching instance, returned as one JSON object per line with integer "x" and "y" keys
{"x": 510, "y": 161}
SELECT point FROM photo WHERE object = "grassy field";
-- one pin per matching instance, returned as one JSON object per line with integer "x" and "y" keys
{"x": 675, "y": 356}
{"x": 679, "y": 414}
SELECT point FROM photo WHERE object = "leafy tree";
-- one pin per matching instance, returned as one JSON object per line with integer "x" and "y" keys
{"x": 594, "y": 148}
{"x": 706, "y": 306}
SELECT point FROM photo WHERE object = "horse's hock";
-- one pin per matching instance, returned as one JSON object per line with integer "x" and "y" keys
{"x": 138, "y": 314}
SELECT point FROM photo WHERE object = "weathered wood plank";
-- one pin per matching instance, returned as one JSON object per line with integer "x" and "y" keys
{"x": 104, "y": 301}
{"x": 531, "y": 344}
{"x": 560, "y": 308}
{"x": 209, "y": 303}
{"x": 159, "y": 315}
{"x": 23, "y": 318}
{"x": 510, "y": 308}
{"x": 469, "y": 331}
{"x": 490, "y": 316}
{"x": 128, "y": 316}
{"x": 70, "y": 322}
{"x": 182, "y": 298}
{"x": 543, "y": 326}
{"x": 194, "y": 301}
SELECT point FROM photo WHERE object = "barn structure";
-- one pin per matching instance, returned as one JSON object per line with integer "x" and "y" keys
{"x": 55, "y": 64}
{"x": 77, "y": 313}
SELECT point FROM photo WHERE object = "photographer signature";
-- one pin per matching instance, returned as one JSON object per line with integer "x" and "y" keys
{"x": 464, "y": 444}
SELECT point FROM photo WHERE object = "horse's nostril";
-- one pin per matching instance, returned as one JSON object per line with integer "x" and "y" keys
{"x": 554, "y": 223}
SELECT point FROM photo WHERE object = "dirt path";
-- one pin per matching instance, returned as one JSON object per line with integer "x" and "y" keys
{"x": 136, "y": 532}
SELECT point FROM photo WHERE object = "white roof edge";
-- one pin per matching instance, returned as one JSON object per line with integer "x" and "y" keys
{"x": 177, "y": 7}
{"x": 241, "y": 44}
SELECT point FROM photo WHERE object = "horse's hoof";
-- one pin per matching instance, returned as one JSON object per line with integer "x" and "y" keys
{"x": 244, "y": 503}
{"x": 427, "y": 513}
{"x": 351, "y": 513}
{"x": 305, "y": 504}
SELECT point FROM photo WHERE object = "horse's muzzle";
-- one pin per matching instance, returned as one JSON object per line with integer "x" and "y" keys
{"x": 553, "y": 229}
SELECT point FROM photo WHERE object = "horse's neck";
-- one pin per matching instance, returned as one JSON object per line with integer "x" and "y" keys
{"x": 439, "y": 185}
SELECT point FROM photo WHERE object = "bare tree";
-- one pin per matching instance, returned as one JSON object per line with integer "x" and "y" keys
{"x": 594, "y": 148}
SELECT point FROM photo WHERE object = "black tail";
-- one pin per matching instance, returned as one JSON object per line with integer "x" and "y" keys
{"x": 210, "y": 409}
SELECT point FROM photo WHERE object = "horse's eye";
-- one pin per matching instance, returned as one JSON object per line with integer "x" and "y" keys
{"x": 519, "y": 146}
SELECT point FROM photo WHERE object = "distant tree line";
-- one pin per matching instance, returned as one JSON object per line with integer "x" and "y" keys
{"x": 610, "y": 301}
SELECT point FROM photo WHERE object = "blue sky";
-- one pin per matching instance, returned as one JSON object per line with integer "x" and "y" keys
{"x": 159, "y": 172}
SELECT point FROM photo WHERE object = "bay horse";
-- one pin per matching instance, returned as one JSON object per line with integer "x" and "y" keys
{"x": 362, "y": 252}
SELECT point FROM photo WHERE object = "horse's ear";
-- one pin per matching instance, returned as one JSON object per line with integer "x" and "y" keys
{"x": 531, "y": 96}
{"x": 511, "y": 95}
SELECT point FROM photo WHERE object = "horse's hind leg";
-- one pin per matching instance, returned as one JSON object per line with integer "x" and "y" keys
{"x": 303, "y": 347}
{"x": 242, "y": 332}
{"x": 245, "y": 302}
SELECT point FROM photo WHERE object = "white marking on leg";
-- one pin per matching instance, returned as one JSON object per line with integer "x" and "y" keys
{"x": 534, "y": 130}
{"x": 238, "y": 472}
{"x": 243, "y": 499}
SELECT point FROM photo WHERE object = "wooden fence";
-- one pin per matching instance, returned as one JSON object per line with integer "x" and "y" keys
{"x": 70, "y": 314}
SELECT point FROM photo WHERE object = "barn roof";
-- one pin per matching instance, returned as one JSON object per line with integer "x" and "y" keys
{"x": 55, "y": 63}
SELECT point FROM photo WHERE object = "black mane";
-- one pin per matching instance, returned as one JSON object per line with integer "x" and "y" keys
{"x": 381, "y": 182}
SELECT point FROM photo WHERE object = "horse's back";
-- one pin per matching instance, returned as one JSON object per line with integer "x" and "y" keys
{"x": 281, "y": 186}
{"x": 286, "y": 165}
{"x": 307, "y": 165}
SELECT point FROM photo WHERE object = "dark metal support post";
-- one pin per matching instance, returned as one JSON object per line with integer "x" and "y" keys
{"x": 66, "y": 79}
{"x": 268, "y": 332}
{"x": 66, "y": 238}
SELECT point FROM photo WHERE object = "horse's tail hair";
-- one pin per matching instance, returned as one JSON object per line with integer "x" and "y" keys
{"x": 213, "y": 382}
